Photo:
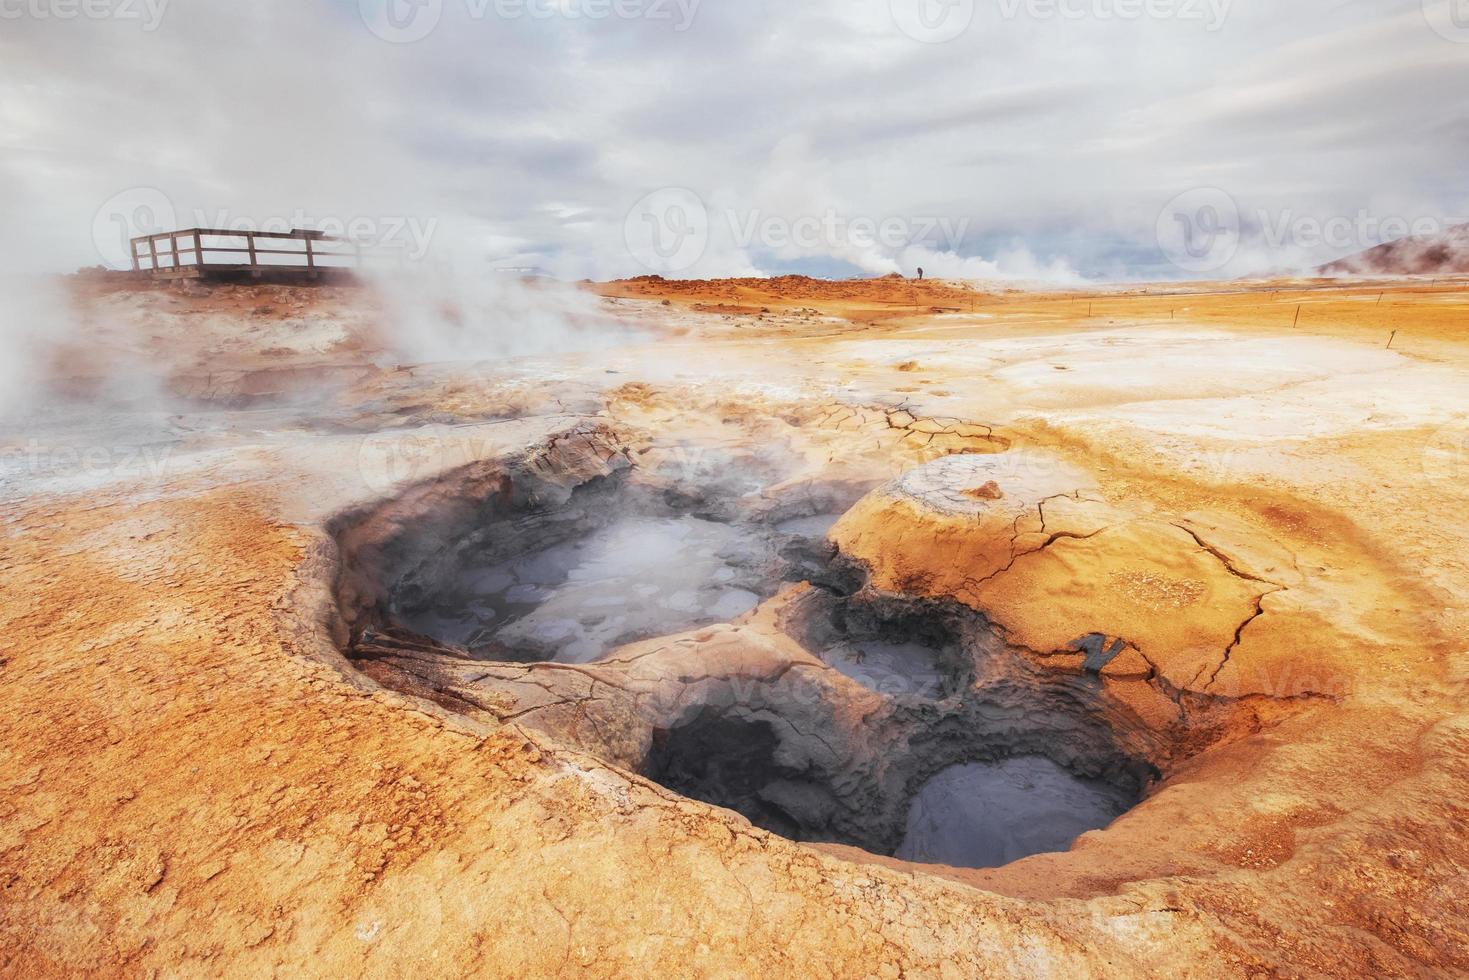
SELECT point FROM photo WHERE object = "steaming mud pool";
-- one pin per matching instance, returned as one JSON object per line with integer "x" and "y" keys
{"x": 639, "y": 577}
{"x": 952, "y": 769}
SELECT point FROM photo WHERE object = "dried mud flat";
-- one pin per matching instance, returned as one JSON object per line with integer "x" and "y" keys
{"x": 336, "y": 665}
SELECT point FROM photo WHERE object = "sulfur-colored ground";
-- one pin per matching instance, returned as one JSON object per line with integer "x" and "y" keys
{"x": 192, "y": 780}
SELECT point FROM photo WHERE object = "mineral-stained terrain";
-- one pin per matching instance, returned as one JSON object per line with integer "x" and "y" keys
{"x": 752, "y": 628}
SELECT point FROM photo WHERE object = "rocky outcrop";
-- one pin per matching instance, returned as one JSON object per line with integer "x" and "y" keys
{"x": 1445, "y": 254}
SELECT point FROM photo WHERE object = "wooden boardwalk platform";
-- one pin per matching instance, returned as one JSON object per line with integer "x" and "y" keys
{"x": 216, "y": 253}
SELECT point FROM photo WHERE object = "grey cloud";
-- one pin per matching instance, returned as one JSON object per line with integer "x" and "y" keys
{"x": 1064, "y": 136}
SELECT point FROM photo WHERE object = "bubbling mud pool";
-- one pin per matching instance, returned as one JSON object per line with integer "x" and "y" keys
{"x": 983, "y": 815}
{"x": 899, "y": 653}
{"x": 961, "y": 761}
{"x": 611, "y": 564}
{"x": 906, "y": 731}
{"x": 639, "y": 577}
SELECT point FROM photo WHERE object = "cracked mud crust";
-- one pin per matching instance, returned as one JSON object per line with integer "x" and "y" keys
{"x": 1242, "y": 589}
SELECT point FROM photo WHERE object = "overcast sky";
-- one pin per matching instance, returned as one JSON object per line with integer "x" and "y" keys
{"x": 1032, "y": 139}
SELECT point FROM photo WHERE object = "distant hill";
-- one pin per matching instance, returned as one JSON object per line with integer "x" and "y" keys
{"x": 1446, "y": 253}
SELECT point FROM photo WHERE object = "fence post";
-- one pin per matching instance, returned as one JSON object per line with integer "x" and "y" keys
{"x": 153, "y": 254}
{"x": 199, "y": 249}
{"x": 133, "y": 250}
{"x": 310, "y": 255}
{"x": 250, "y": 244}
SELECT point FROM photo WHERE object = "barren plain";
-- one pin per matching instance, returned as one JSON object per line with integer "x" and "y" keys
{"x": 681, "y": 653}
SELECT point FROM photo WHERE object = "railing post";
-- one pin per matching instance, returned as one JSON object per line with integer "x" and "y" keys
{"x": 133, "y": 251}
{"x": 174, "y": 240}
{"x": 153, "y": 253}
{"x": 310, "y": 254}
{"x": 250, "y": 244}
{"x": 199, "y": 249}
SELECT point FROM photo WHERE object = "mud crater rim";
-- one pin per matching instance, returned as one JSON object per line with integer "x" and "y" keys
{"x": 789, "y": 762}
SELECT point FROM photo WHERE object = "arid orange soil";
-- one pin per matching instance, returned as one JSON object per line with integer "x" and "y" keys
{"x": 1222, "y": 525}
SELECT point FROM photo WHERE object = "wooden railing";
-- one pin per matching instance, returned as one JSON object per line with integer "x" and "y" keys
{"x": 193, "y": 251}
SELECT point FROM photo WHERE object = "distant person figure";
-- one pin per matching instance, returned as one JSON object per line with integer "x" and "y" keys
{"x": 920, "y": 273}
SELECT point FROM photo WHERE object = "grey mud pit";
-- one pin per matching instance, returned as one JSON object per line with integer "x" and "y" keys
{"x": 710, "y": 635}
